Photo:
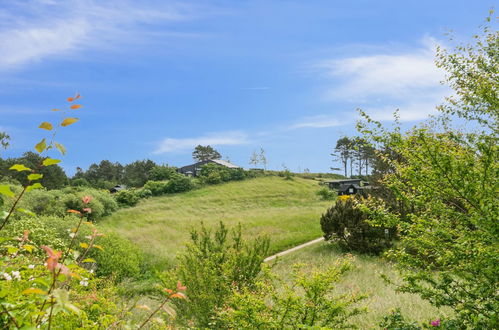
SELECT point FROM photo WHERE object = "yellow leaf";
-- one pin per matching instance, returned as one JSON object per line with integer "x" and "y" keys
{"x": 61, "y": 148}
{"x": 34, "y": 290}
{"x": 19, "y": 168}
{"x": 76, "y": 106}
{"x": 99, "y": 247}
{"x": 84, "y": 245}
{"x": 178, "y": 295}
{"x": 89, "y": 260}
{"x": 35, "y": 176}
{"x": 145, "y": 307}
{"x": 5, "y": 190}
{"x": 68, "y": 121}
{"x": 34, "y": 186}
{"x": 28, "y": 248}
{"x": 46, "y": 125}
{"x": 50, "y": 161}
{"x": 40, "y": 146}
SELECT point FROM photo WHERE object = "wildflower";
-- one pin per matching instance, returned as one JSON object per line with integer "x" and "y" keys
{"x": 84, "y": 281}
{"x": 86, "y": 199}
{"x": 91, "y": 271}
{"x": 435, "y": 323}
{"x": 72, "y": 235}
{"x": 17, "y": 275}
{"x": 7, "y": 276}
{"x": 31, "y": 266}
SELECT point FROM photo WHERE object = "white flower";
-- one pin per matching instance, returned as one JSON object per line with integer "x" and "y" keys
{"x": 91, "y": 271}
{"x": 84, "y": 281}
{"x": 17, "y": 275}
{"x": 31, "y": 266}
{"x": 72, "y": 235}
{"x": 7, "y": 276}
{"x": 31, "y": 278}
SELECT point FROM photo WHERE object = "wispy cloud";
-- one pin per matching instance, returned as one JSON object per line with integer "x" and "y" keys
{"x": 35, "y": 30}
{"x": 380, "y": 83}
{"x": 213, "y": 139}
{"x": 321, "y": 121}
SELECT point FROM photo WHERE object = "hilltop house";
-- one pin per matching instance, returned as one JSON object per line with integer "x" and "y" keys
{"x": 348, "y": 186}
{"x": 194, "y": 169}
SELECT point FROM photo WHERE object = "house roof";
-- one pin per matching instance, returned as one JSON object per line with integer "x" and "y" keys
{"x": 224, "y": 163}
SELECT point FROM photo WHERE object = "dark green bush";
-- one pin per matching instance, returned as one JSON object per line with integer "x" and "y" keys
{"x": 127, "y": 197}
{"x": 350, "y": 226}
{"x": 160, "y": 173}
{"x": 144, "y": 193}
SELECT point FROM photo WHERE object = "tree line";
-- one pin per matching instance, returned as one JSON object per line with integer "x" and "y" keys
{"x": 354, "y": 154}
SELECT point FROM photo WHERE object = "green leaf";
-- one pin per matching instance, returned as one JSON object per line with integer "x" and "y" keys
{"x": 19, "y": 168}
{"x": 50, "y": 161}
{"x": 3, "y": 215}
{"x": 28, "y": 212}
{"x": 5, "y": 190}
{"x": 34, "y": 186}
{"x": 46, "y": 125}
{"x": 12, "y": 249}
{"x": 35, "y": 176}
{"x": 40, "y": 146}
{"x": 61, "y": 148}
{"x": 89, "y": 260}
{"x": 69, "y": 121}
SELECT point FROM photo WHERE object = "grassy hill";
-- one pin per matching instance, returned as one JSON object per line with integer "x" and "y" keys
{"x": 286, "y": 210}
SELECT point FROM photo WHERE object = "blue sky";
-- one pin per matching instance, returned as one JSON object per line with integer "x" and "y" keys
{"x": 159, "y": 77}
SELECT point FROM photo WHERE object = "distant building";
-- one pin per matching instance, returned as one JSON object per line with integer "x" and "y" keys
{"x": 348, "y": 186}
{"x": 194, "y": 169}
{"x": 117, "y": 188}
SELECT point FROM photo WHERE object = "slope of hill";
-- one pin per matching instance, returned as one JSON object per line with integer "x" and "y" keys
{"x": 286, "y": 210}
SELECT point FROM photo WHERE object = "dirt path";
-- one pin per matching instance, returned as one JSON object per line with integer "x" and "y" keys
{"x": 294, "y": 249}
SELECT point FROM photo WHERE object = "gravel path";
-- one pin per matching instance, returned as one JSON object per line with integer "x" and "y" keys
{"x": 294, "y": 249}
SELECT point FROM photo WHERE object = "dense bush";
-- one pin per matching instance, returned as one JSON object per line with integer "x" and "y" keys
{"x": 160, "y": 173}
{"x": 128, "y": 197}
{"x": 327, "y": 194}
{"x": 350, "y": 226}
{"x": 144, "y": 193}
{"x": 157, "y": 188}
{"x": 179, "y": 183}
{"x": 214, "y": 265}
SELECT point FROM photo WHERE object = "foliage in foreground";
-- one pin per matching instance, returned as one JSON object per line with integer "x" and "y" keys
{"x": 448, "y": 180}
{"x": 308, "y": 302}
{"x": 215, "y": 264}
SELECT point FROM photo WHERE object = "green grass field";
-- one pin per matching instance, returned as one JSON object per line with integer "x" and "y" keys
{"x": 364, "y": 277}
{"x": 288, "y": 211}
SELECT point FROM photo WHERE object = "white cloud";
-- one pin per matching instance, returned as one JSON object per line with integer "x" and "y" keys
{"x": 380, "y": 83}
{"x": 321, "y": 121}
{"x": 37, "y": 30}
{"x": 213, "y": 139}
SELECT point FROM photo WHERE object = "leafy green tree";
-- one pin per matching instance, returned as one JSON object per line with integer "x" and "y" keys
{"x": 343, "y": 152}
{"x": 161, "y": 172}
{"x": 4, "y": 140}
{"x": 202, "y": 153}
{"x": 136, "y": 174}
{"x": 448, "y": 179}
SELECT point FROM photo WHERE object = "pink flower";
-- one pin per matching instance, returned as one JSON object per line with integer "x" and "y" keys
{"x": 435, "y": 323}
{"x": 86, "y": 199}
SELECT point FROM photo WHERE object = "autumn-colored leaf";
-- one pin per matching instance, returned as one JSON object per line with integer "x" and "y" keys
{"x": 71, "y": 99}
{"x": 74, "y": 211}
{"x": 5, "y": 190}
{"x": 34, "y": 291}
{"x": 36, "y": 185}
{"x": 87, "y": 210}
{"x": 53, "y": 257}
{"x": 86, "y": 199}
{"x": 99, "y": 247}
{"x": 178, "y": 295}
{"x": 46, "y": 125}
{"x": 50, "y": 161}
{"x": 56, "y": 110}
{"x": 84, "y": 245}
{"x": 40, "y": 146}
{"x": 69, "y": 121}
{"x": 19, "y": 168}
{"x": 144, "y": 307}
{"x": 76, "y": 106}
{"x": 35, "y": 176}
{"x": 181, "y": 287}
{"x": 61, "y": 148}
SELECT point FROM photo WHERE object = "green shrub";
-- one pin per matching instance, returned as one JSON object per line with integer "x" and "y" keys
{"x": 237, "y": 174}
{"x": 80, "y": 182}
{"x": 179, "y": 183}
{"x": 214, "y": 264}
{"x": 157, "y": 188}
{"x": 160, "y": 173}
{"x": 395, "y": 321}
{"x": 350, "y": 226}
{"x": 144, "y": 193}
{"x": 327, "y": 194}
{"x": 118, "y": 257}
{"x": 127, "y": 197}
